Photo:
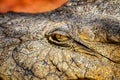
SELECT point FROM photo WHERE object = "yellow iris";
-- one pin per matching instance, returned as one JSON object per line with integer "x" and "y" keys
{"x": 61, "y": 37}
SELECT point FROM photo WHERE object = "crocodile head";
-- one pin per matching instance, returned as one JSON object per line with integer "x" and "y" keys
{"x": 80, "y": 40}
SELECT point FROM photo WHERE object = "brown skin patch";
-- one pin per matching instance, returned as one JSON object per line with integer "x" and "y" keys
{"x": 30, "y": 6}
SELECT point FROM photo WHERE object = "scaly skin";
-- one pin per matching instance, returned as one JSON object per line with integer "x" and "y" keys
{"x": 80, "y": 40}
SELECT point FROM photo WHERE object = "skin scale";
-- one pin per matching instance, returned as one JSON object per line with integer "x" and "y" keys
{"x": 78, "y": 41}
{"x": 30, "y": 6}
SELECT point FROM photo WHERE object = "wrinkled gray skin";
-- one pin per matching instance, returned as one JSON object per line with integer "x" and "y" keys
{"x": 80, "y": 40}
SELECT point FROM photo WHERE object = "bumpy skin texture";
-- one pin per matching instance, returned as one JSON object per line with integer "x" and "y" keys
{"x": 80, "y": 40}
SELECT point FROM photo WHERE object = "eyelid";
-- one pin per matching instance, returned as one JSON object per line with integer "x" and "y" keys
{"x": 60, "y": 32}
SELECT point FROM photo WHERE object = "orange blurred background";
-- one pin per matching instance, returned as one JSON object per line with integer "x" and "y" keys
{"x": 30, "y": 6}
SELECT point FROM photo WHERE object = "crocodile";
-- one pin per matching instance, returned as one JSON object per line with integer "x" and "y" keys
{"x": 78, "y": 41}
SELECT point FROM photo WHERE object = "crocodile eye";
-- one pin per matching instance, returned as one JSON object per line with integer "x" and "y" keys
{"x": 57, "y": 38}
